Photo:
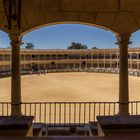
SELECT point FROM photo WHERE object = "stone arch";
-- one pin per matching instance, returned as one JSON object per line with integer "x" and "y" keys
{"x": 68, "y": 22}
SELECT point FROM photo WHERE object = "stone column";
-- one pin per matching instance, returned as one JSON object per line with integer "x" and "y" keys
{"x": 16, "y": 78}
{"x": 123, "y": 42}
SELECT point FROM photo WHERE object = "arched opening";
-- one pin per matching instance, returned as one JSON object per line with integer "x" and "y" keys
{"x": 134, "y": 65}
{"x": 57, "y": 38}
{"x": 5, "y": 66}
{"x": 104, "y": 57}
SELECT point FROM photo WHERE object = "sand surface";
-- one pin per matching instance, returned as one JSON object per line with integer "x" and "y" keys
{"x": 70, "y": 87}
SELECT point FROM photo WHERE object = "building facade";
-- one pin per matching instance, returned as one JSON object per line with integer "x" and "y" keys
{"x": 103, "y": 60}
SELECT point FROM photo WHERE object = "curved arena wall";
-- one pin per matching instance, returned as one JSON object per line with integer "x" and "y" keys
{"x": 91, "y": 60}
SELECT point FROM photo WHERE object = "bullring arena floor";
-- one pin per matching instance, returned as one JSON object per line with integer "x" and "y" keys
{"x": 70, "y": 87}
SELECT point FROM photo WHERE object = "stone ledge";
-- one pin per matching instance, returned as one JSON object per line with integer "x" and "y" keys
{"x": 119, "y": 122}
{"x": 15, "y": 122}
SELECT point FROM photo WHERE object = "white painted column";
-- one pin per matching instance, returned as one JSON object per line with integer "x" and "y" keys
{"x": 123, "y": 42}
{"x": 16, "y": 78}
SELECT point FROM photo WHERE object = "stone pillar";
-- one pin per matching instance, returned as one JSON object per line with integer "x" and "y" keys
{"x": 16, "y": 78}
{"x": 123, "y": 42}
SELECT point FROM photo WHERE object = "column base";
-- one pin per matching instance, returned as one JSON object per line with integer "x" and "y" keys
{"x": 123, "y": 109}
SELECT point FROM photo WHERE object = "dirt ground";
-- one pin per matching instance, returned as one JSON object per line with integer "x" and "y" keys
{"x": 70, "y": 87}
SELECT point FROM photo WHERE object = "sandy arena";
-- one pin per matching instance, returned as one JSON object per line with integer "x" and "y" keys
{"x": 70, "y": 87}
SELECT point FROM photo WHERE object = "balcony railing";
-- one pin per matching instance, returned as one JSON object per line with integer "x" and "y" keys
{"x": 68, "y": 113}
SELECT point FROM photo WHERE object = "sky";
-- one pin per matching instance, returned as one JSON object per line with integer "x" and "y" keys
{"x": 60, "y": 37}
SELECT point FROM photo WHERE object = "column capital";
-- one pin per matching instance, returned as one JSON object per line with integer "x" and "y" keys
{"x": 123, "y": 39}
{"x": 16, "y": 39}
